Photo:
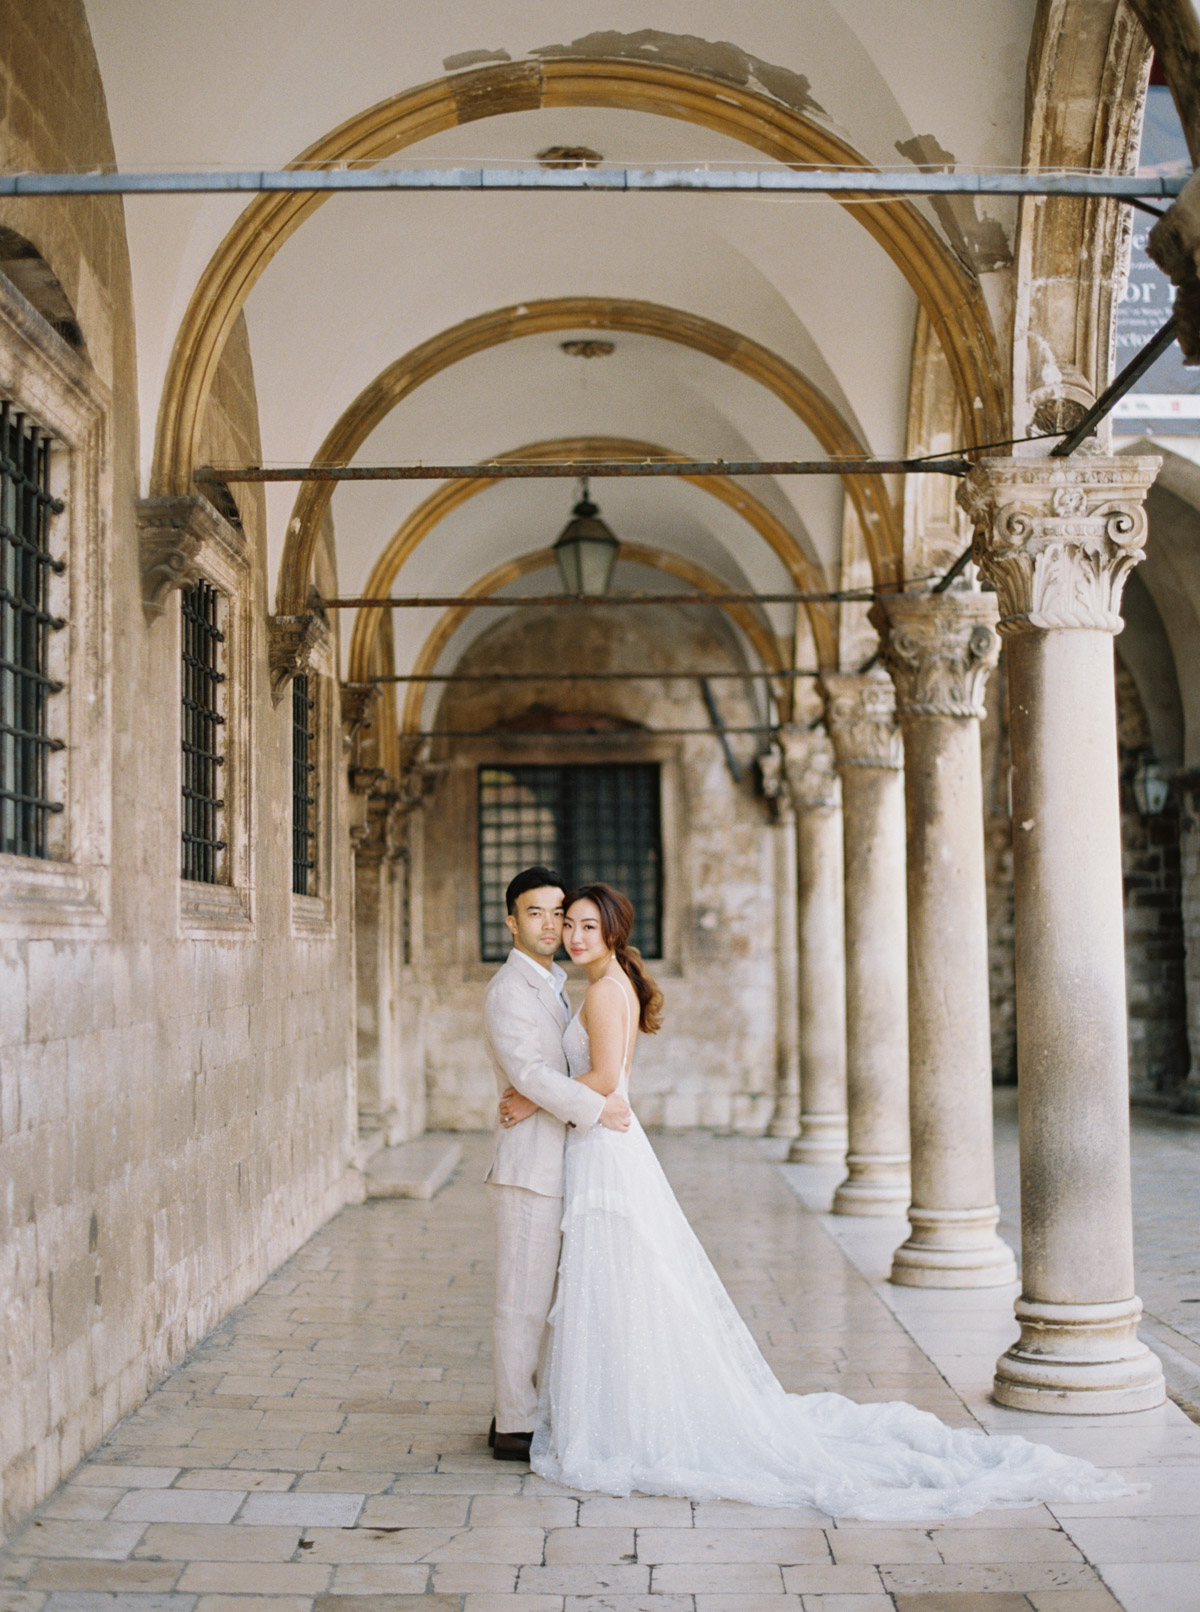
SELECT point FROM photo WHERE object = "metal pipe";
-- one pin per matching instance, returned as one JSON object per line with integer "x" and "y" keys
{"x": 582, "y": 733}
{"x": 784, "y": 181}
{"x": 574, "y": 470}
{"x": 572, "y": 677}
{"x": 471, "y": 601}
{"x": 1129, "y": 376}
{"x": 720, "y": 731}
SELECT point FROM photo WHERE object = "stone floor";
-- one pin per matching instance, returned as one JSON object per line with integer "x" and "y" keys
{"x": 323, "y": 1450}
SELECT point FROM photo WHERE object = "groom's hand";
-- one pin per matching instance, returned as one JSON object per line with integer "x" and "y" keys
{"x": 616, "y": 1113}
{"x": 514, "y": 1108}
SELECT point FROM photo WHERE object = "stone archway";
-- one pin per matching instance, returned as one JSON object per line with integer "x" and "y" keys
{"x": 449, "y": 497}
{"x": 877, "y": 515}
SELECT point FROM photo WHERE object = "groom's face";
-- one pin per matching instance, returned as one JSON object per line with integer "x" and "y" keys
{"x": 537, "y": 923}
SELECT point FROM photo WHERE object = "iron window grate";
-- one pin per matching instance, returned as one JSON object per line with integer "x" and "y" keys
{"x": 303, "y": 799}
{"x": 203, "y": 807}
{"x": 25, "y": 625}
{"x": 598, "y": 821}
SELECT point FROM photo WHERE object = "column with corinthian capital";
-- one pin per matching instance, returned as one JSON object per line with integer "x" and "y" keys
{"x": 821, "y": 959}
{"x": 939, "y": 649}
{"x": 867, "y": 748}
{"x": 1057, "y": 538}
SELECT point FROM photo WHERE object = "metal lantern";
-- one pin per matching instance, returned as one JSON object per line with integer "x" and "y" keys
{"x": 587, "y": 551}
{"x": 1151, "y": 789}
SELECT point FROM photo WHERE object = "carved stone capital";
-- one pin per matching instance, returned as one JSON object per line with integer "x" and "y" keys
{"x": 1056, "y": 538}
{"x": 358, "y": 705}
{"x": 861, "y": 711}
{"x": 810, "y": 769}
{"x": 940, "y": 649}
{"x": 182, "y": 539}
{"x": 295, "y": 644}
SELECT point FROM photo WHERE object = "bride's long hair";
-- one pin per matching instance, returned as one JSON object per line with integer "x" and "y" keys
{"x": 616, "y": 926}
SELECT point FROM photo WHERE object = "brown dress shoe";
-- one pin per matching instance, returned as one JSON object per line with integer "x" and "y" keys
{"x": 512, "y": 1446}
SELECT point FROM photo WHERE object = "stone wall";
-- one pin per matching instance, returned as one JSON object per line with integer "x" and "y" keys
{"x": 714, "y": 1062}
{"x": 176, "y": 1108}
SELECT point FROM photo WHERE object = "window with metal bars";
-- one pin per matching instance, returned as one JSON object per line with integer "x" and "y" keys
{"x": 25, "y": 624}
{"x": 588, "y": 822}
{"x": 304, "y": 834}
{"x": 203, "y": 805}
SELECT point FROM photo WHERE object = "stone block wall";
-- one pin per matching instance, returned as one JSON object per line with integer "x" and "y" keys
{"x": 176, "y": 1108}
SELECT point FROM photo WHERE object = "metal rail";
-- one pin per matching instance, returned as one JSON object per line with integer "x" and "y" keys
{"x": 472, "y": 601}
{"x": 576, "y": 677}
{"x": 573, "y": 469}
{"x": 584, "y": 733}
{"x": 852, "y": 182}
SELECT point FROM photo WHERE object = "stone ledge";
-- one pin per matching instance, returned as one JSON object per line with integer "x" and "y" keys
{"x": 413, "y": 1169}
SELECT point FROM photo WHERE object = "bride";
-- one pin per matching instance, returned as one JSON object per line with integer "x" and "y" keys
{"x": 652, "y": 1381}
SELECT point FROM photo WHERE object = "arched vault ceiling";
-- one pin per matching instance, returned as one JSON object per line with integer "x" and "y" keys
{"x": 464, "y": 531}
{"x": 257, "y": 85}
{"x": 529, "y": 390}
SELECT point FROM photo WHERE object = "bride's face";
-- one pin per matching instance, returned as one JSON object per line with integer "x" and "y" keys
{"x": 582, "y": 934}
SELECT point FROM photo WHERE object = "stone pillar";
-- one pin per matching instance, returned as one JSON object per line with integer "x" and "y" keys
{"x": 1057, "y": 538}
{"x": 821, "y": 971}
{"x": 867, "y": 748}
{"x": 940, "y": 649}
{"x": 786, "y": 1119}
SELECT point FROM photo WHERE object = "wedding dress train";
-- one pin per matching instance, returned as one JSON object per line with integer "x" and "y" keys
{"x": 653, "y": 1383}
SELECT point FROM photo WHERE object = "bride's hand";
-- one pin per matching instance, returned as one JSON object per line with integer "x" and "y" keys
{"x": 514, "y": 1108}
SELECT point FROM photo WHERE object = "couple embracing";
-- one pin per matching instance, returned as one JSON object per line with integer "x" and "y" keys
{"x": 621, "y": 1363}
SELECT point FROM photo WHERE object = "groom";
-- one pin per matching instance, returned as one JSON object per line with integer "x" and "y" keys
{"x": 525, "y": 1012}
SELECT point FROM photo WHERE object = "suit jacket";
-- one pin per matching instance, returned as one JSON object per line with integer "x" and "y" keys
{"x": 523, "y": 1023}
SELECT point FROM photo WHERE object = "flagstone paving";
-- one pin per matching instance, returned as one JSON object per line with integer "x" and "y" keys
{"x": 324, "y": 1449}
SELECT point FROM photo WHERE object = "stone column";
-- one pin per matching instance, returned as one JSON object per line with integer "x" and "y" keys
{"x": 786, "y": 1119}
{"x": 867, "y": 748}
{"x": 1057, "y": 538}
{"x": 940, "y": 649}
{"x": 821, "y": 963}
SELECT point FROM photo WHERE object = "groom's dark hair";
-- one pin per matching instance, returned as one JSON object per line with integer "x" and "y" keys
{"x": 531, "y": 879}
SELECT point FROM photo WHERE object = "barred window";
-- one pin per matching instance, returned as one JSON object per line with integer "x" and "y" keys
{"x": 25, "y": 623}
{"x": 203, "y": 806}
{"x": 597, "y": 821}
{"x": 304, "y": 834}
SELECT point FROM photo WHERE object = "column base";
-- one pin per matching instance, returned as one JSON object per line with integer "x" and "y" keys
{"x": 877, "y": 1184}
{"x": 953, "y": 1248}
{"x": 786, "y": 1122}
{"x": 1079, "y": 1360}
{"x": 822, "y": 1140}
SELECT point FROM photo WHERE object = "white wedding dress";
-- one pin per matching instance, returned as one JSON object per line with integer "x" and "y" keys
{"x": 653, "y": 1383}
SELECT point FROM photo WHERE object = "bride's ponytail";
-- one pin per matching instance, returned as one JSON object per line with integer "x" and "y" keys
{"x": 616, "y": 926}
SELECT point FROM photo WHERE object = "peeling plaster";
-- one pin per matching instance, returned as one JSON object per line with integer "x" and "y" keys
{"x": 715, "y": 59}
{"x": 980, "y": 243}
{"x": 473, "y": 58}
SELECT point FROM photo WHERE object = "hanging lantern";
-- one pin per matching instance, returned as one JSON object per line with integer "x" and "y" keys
{"x": 587, "y": 551}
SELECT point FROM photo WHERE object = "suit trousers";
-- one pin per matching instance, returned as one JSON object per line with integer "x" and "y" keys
{"x": 528, "y": 1235}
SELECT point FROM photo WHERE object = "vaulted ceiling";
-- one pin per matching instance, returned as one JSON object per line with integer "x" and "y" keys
{"x": 365, "y": 280}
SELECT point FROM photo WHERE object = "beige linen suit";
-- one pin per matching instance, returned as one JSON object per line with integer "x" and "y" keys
{"x": 523, "y": 1022}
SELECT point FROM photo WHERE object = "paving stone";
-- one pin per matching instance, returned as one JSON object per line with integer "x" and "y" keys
{"x": 145, "y": 1577}
{"x": 178, "y": 1505}
{"x": 262, "y": 1578}
{"x": 308, "y": 1509}
{"x": 964, "y": 1601}
{"x": 734, "y": 1545}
